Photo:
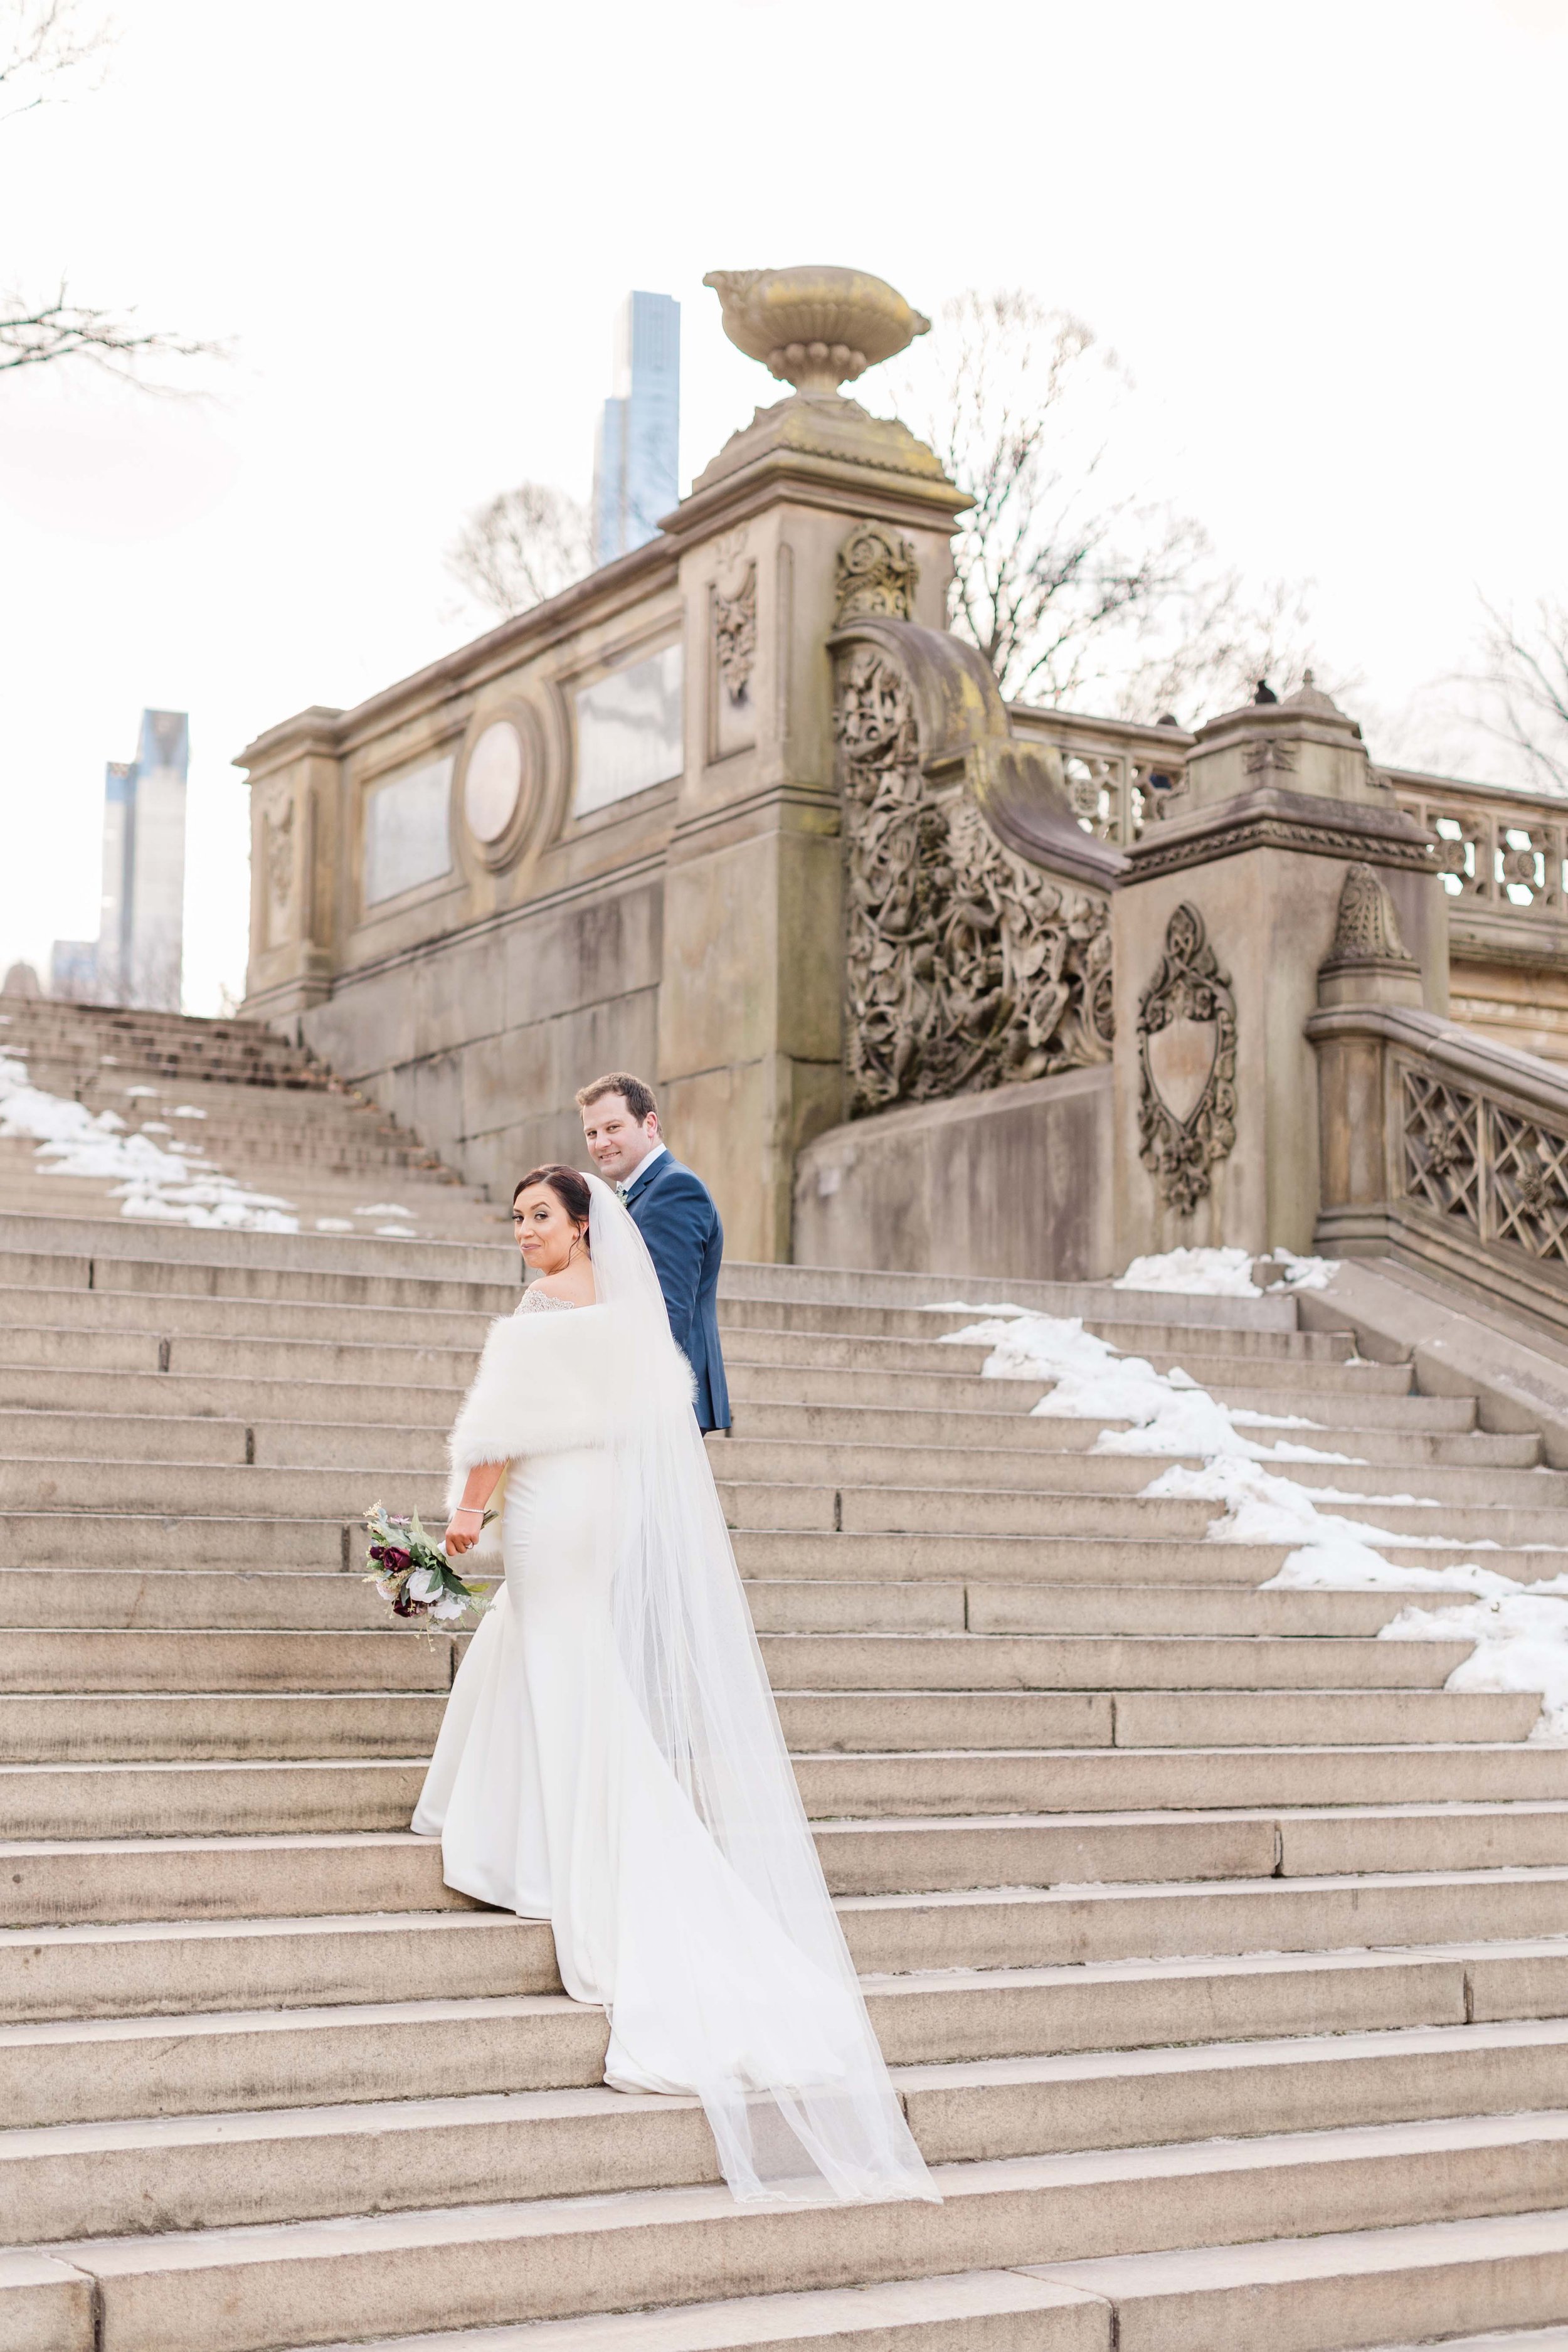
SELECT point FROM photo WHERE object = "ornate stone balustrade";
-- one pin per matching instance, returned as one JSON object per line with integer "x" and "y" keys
{"x": 1118, "y": 772}
{"x": 1436, "y": 1143}
{"x": 1501, "y": 855}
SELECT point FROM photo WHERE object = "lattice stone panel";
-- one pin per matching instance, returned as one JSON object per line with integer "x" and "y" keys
{"x": 1442, "y": 1147}
{"x": 1528, "y": 1192}
{"x": 1499, "y": 1172}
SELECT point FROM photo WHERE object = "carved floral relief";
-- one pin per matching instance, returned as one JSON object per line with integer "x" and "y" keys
{"x": 1187, "y": 1054}
{"x": 732, "y": 716}
{"x": 277, "y": 866}
{"x": 735, "y": 636}
{"x": 967, "y": 967}
{"x": 876, "y": 573}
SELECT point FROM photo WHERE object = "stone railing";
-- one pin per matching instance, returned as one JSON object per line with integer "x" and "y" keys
{"x": 1118, "y": 772}
{"x": 1502, "y": 853}
{"x": 1444, "y": 1148}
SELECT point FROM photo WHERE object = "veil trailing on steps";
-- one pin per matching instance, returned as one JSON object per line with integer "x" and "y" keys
{"x": 729, "y": 1946}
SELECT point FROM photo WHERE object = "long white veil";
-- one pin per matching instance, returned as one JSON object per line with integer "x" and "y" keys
{"x": 781, "y": 2047}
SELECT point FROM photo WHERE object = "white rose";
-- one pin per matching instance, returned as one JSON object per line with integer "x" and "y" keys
{"x": 446, "y": 1608}
{"x": 423, "y": 1584}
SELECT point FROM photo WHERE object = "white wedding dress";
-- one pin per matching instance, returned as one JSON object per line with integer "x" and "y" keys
{"x": 610, "y": 1759}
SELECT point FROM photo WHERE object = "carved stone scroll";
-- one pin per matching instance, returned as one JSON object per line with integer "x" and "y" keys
{"x": 1186, "y": 1054}
{"x": 876, "y": 572}
{"x": 967, "y": 966}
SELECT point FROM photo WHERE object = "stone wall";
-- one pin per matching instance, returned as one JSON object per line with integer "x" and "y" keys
{"x": 481, "y": 1040}
{"x": 1016, "y": 1182}
{"x": 607, "y": 834}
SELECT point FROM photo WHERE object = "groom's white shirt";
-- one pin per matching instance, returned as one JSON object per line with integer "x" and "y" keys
{"x": 640, "y": 1170}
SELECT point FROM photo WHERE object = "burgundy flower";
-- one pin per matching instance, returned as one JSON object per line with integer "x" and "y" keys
{"x": 404, "y": 1607}
{"x": 395, "y": 1561}
{"x": 378, "y": 1551}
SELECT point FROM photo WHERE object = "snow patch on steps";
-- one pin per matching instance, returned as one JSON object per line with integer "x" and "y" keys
{"x": 172, "y": 1187}
{"x": 1520, "y": 1632}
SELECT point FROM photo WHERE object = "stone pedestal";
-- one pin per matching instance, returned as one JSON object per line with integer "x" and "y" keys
{"x": 1231, "y": 905}
{"x": 815, "y": 506}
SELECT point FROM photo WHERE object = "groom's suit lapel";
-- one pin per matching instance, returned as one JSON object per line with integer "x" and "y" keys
{"x": 645, "y": 1177}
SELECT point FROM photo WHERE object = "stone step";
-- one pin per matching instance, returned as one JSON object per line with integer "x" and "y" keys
{"x": 986, "y": 1662}
{"x": 1335, "y": 2293}
{"x": 190, "y": 1438}
{"x": 284, "y": 1599}
{"x": 1129, "y": 1327}
{"x": 267, "y": 1795}
{"x": 1347, "y": 1407}
{"x": 956, "y": 1428}
{"x": 260, "y": 2165}
{"x": 1110, "y": 1779}
{"x": 169, "y": 1599}
{"x": 975, "y": 2311}
{"x": 1079, "y": 1560}
{"x": 173, "y": 1416}
{"x": 96, "y": 1538}
{"x": 1142, "y": 1334}
{"x": 175, "y": 1966}
{"x": 825, "y": 1350}
{"x": 244, "y": 1280}
{"x": 88, "y": 2070}
{"x": 1153, "y": 1609}
{"x": 249, "y": 1356}
{"x": 1037, "y": 1466}
{"x": 241, "y": 2289}
{"x": 173, "y": 1487}
{"x": 46, "y": 1736}
{"x": 265, "y": 1971}
{"x": 1037, "y": 1928}
{"x": 66, "y": 1389}
{"x": 87, "y": 1882}
{"x": 998, "y": 1510}
{"x": 228, "y": 1329}
{"x": 45, "y": 1660}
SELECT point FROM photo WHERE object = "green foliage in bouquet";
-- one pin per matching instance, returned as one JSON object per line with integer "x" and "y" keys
{"x": 415, "y": 1574}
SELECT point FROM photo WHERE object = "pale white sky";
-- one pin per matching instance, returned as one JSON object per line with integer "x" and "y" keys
{"x": 1325, "y": 238}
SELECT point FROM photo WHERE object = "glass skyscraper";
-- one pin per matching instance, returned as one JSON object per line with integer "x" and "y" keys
{"x": 637, "y": 453}
{"x": 137, "y": 956}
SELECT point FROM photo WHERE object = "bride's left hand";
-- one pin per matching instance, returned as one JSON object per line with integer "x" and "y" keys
{"x": 458, "y": 1538}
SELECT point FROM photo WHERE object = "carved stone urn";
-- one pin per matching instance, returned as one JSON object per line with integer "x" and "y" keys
{"x": 815, "y": 327}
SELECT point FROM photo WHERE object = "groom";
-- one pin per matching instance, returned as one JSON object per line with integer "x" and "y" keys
{"x": 674, "y": 1211}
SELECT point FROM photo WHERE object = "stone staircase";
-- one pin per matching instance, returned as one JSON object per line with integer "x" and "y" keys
{"x": 232, "y": 1093}
{"x": 1220, "y": 1953}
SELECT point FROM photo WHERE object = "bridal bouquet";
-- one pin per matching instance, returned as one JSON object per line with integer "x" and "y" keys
{"x": 415, "y": 1574}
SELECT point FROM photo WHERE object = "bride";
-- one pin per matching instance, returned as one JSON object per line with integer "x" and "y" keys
{"x": 611, "y": 1759}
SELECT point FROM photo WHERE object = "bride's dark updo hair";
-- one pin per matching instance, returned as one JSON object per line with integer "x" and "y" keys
{"x": 570, "y": 1188}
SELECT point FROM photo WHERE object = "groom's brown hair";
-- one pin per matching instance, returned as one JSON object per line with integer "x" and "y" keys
{"x": 639, "y": 1099}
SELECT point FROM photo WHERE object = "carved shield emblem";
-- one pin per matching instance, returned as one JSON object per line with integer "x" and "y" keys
{"x": 1181, "y": 1063}
{"x": 1186, "y": 1051}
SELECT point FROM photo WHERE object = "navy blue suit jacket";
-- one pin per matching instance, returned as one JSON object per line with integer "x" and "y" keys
{"x": 673, "y": 1210}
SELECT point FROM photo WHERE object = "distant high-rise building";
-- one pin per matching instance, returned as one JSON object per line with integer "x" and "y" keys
{"x": 140, "y": 948}
{"x": 637, "y": 453}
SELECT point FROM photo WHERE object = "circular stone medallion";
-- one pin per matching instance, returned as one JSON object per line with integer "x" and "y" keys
{"x": 493, "y": 782}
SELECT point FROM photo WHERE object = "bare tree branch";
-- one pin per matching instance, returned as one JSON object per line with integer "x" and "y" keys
{"x": 42, "y": 43}
{"x": 1525, "y": 680}
{"x": 1071, "y": 588}
{"x": 44, "y": 46}
{"x": 525, "y": 545}
{"x": 36, "y": 335}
